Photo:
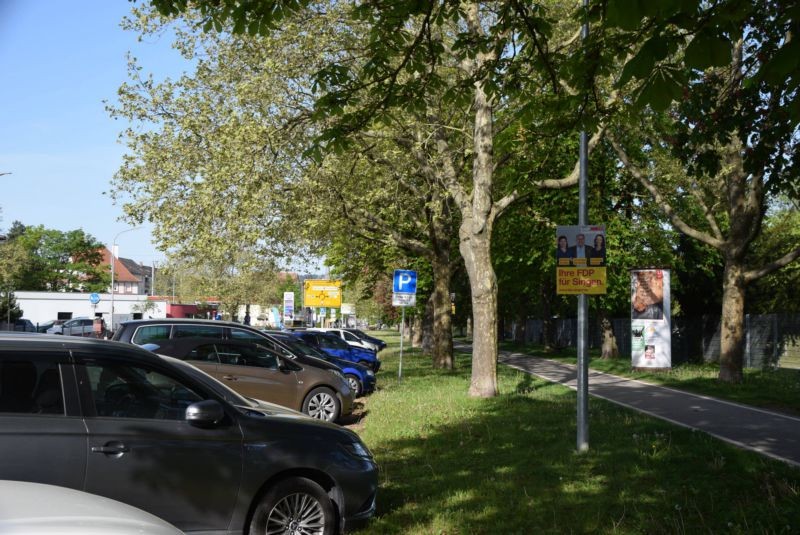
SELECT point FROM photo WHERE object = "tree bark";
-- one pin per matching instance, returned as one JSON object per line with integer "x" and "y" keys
{"x": 427, "y": 327}
{"x": 609, "y": 350}
{"x": 442, "y": 314}
{"x": 416, "y": 332}
{"x": 731, "y": 359}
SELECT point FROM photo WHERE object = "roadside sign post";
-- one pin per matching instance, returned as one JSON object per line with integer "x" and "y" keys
{"x": 404, "y": 294}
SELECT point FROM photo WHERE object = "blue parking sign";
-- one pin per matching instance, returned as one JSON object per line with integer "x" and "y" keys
{"x": 405, "y": 281}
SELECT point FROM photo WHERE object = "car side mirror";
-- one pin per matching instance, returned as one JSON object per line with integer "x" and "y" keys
{"x": 207, "y": 413}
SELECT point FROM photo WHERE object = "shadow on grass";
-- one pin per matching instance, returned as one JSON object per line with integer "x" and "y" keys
{"x": 508, "y": 465}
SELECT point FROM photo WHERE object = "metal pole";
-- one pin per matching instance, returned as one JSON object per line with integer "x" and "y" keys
{"x": 402, "y": 335}
{"x": 583, "y": 301}
{"x": 113, "y": 258}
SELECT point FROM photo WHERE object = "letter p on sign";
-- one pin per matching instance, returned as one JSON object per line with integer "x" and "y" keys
{"x": 405, "y": 281}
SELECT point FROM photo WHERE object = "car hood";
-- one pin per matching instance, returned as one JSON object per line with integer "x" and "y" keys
{"x": 33, "y": 508}
{"x": 363, "y": 353}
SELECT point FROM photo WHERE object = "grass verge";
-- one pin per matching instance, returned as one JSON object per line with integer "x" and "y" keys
{"x": 777, "y": 389}
{"x": 452, "y": 464}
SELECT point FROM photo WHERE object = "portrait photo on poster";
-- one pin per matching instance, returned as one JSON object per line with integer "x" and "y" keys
{"x": 647, "y": 295}
{"x": 581, "y": 245}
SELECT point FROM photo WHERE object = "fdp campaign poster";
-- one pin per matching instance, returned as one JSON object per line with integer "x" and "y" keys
{"x": 581, "y": 259}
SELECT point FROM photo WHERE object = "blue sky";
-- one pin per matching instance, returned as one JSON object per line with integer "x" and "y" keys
{"x": 59, "y": 60}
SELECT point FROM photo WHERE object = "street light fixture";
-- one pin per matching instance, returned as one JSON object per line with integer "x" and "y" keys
{"x": 113, "y": 257}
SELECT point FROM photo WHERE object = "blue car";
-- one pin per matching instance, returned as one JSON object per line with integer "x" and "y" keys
{"x": 336, "y": 347}
{"x": 361, "y": 378}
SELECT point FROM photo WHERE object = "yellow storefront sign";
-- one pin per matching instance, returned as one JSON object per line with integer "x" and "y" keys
{"x": 322, "y": 293}
{"x": 580, "y": 280}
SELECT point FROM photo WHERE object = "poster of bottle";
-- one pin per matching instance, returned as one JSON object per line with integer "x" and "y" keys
{"x": 651, "y": 343}
{"x": 288, "y": 307}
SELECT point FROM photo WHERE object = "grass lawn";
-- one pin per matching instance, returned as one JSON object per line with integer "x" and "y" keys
{"x": 451, "y": 464}
{"x": 777, "y": 389}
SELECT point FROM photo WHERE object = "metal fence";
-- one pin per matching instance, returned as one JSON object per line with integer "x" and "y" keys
{"x": 771, "y": 340}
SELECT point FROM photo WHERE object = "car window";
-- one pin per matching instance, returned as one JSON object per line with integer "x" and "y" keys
{"x": 205, "y": 353}
{"x": 150, "y": 334}
{"x": 259, "y": 357}
{"x": 86, "y": 322}
{"x": 332, "y": 342}
{"x": 30, "y": 387}
{"x": 241, "y": 334}
{"x": 126, "y": 391}
{"x": 350, "y": 337}
{"x": 201, "y": 331}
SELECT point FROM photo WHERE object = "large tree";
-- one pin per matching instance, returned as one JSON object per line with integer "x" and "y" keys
{"x": 715, "y": 161}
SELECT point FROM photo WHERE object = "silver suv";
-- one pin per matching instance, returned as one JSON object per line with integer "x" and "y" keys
{"x": 74, "y": 327}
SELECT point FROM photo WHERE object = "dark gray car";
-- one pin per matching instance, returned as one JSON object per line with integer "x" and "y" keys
{"x": 115, "y": 420}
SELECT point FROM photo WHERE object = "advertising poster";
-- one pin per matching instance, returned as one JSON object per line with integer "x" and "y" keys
{"x": 322, "y": 293}
{"x": 581, "y": 260}
{"x": 651, "y": 342}
{"x": 288, "y": 306}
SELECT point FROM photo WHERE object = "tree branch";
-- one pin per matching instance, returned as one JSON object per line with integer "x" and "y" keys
{"x": 788, "y": 258}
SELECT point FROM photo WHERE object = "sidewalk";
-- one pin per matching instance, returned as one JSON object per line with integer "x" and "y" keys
{"x": 773, "y": 434}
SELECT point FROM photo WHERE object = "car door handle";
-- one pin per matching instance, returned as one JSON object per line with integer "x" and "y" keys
{"x": 230, "y": 377}
{"x": 115, "y": 449}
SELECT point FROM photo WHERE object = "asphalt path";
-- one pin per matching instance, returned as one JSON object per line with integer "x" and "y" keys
{"x": 770, "y": 433}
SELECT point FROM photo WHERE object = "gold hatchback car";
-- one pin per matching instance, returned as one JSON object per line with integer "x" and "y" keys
{"x": 255, "y": 371}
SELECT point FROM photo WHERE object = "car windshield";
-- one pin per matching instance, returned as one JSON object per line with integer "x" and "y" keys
{"x": 218, "y": 387}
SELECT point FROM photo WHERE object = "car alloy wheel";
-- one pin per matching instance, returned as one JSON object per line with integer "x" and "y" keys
{"x": 355, "y": 384}
{"x": 321, "y": 403}
{"x": 294, "y": 506}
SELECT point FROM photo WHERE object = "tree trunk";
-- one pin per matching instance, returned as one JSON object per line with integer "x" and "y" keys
{"x": 416, "y": 332}
{"x": 427, "y": 327}
{"x": 442, "y": 313}
{"x": 732, "y": 333}
{"x": 609, "y": 350}
{"x": 522, "y": 324}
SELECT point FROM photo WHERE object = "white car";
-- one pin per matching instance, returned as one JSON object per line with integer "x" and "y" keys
{"x": 37, "y": 509}
{"x": 350, "y": 338}
{"x": 74, "y": 327}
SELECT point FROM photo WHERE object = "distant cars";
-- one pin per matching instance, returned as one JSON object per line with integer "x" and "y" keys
{"x": 350, "y": 338}
{"x": 364, "y": 336}
{"x": 23, "y": 325}
{"x": 336, "y": 347}
{"x": 258, "y": 372}
{"x": 361, "y": 378}
{"x": 74, "y": 327}
{"x": 115, "y": 420}
{"x": 43, "y": 327}
{"x": 33, "y": 508}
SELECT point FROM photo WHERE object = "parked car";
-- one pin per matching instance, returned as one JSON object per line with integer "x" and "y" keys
{"x": 43, "y": 327}
{"x": 74, "y": 327}
{"x": 364, "y": 336}
{"x": 350, "y": 338}
{"x": 24, "y": 325}
{"x": 336, "y": 347}
{"x": 258, "y": 372}
{"x": 141, "y": 332}
{"x": 361, "y": 378}
{"x": 33, "y": 508}
{"x": 118, "y": 421}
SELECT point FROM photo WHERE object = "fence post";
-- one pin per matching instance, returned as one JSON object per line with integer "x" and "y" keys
{"x": 748, "y": 340}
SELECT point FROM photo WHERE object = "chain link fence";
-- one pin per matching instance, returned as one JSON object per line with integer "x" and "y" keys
{"x": 771, "y": 340}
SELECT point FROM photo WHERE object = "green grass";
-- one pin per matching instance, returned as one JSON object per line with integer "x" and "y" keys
{"x": 452, "y": 464}
{"x": 777, "y": 389}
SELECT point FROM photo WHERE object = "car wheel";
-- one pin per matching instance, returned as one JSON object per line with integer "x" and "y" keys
{"x": 321, "y": 403}
{"x": 297, "y": 506}
{"x": 355, "y": 384}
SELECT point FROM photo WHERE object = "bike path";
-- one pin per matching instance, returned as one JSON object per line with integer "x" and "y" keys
{"x": 767, "y": 432}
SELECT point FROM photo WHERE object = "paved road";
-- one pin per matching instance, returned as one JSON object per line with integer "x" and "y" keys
{"x": 773, "y": 434}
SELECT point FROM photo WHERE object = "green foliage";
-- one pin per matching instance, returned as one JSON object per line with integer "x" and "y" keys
{"x": 9, "y": 309}
{"x": 61, "y": 261}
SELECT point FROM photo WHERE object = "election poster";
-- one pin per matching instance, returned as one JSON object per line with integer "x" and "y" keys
{"x": 288, "y": 307}
{"x": 581, "y": 260}
{"x": 651, "y": 342}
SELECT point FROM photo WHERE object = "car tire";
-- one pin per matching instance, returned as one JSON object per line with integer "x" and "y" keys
{"x": 295, "y": 505}
{"x": 322, "y": 403}
{"x": 355, "y": 384}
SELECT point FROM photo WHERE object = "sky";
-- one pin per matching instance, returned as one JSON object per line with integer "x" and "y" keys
{"x": 59, "y": 60}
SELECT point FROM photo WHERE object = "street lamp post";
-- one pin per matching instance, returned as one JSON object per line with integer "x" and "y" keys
{"x": 113, "y": 269}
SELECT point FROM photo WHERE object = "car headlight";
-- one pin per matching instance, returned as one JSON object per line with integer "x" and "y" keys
{"x": 370, "y": 373}
{"x": 357, "y": 449}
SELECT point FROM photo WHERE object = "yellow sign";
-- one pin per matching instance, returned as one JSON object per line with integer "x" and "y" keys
{"x": 580, "y": 280}
{"x": 322, "y": 293}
